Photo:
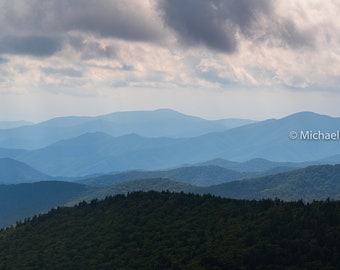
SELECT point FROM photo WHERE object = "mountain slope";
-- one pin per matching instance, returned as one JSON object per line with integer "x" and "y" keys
{"x": 311, "y": 183}
{"x": 177, "y": 231}
{"x": 13, "y": 172}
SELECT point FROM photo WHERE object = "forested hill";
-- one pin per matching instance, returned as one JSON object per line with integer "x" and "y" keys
{"x": 177, "y": 231}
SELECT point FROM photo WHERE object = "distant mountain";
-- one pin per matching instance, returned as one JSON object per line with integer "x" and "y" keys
{"x": 311, "y": 183}
{"x": 158, "y": 123}
{"x": 13, "y": 172}
{"x": 97, "y": 153}
{"x": 13, "y": 124}
{"x": 194, "y": 175}
{"x": 24, "y": 200}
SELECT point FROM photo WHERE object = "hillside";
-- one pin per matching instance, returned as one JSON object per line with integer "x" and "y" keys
{"x": 14, "y": 172}
{"x": 311, "y": 183}
{"x": 24, "y": 200}
{"x": 177, "y": 231}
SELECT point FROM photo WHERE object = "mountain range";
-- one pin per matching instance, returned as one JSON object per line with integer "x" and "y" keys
{"x": 97, "y": 153}
{"x": 163, "y": 149}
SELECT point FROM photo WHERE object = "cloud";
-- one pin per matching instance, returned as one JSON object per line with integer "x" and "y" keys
{"x": 128, "y": 20}
{"x": 3, "y": 60}
{"x": 218, "y": 24}
{"x": 86, "y": 48}
{"x": 41, "y": 28}
{"x": 68, "y": 72}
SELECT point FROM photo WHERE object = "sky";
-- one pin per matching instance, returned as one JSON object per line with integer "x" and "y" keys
{"x": 210, "y": 58}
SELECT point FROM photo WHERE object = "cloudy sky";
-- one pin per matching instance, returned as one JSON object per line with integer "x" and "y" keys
{"x": 212, "y": 58}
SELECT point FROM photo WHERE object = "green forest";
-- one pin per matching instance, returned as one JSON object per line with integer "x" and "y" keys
{"x": 163, "y": 230}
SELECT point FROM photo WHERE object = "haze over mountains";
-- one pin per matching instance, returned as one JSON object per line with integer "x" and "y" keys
{"x": 159, "y": 123}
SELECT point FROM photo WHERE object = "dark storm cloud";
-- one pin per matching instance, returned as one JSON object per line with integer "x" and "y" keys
{"x": 216, "y": 23}
{"x": 30, "y": 45}
{"x": 23, "y": 25}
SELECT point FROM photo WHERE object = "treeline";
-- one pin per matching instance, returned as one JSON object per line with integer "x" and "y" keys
{"x": 151, "y": 230}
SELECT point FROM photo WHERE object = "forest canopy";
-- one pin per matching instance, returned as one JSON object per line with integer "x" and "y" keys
{"x": 152, "y": 230}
